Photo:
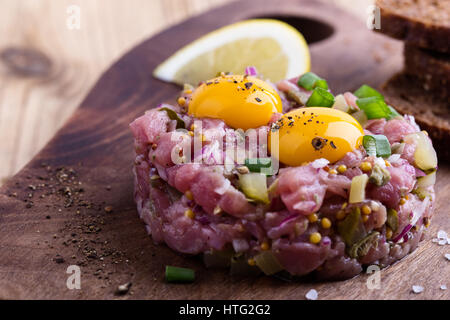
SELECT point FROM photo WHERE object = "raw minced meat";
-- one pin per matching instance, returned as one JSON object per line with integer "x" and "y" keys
{"x": 199, "y": 208}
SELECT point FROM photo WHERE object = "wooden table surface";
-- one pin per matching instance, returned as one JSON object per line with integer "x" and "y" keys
{"x": 46, "y": 69}
{"x": 73, "y": 203}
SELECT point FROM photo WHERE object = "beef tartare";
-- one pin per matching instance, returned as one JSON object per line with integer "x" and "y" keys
{"x": 284, "y": 178}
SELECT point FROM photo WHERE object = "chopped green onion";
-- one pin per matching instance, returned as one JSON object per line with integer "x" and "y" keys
{"x": 366, "y": 92}
{"x": 310, "y": 80}
{"x": 377, "y": 145}
{"x": 374, "y": 108}
{"x": 320, "y": 98}
{"x": 393, "y": 114}
{"x": 174, "y": 116}
{"x": 175, "y": 274}
{"x": 256, "y": 164}
{"x": 321, "y": 84}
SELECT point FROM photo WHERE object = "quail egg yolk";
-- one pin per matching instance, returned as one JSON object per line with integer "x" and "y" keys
{"x": 307, "y": 134}
{"x": 241, "y": 102}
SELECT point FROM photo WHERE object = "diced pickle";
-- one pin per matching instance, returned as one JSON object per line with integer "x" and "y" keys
{"x": 352, "y": 227}
{"x": 268, "y": 263}
{"x": 362, "y": 247}
{"x": 174, "y": 116}
{"x": 379, "y": 176}
{"x": 392, "y": 219}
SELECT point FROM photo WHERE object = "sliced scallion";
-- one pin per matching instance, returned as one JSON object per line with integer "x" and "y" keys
{"x": 366, "y": 92}
{"x": 321, "y": 84}
{"x": 393, "y": 114}
{"x": 175, "y": 274}
{"x": 374, "y": 108}
{"x": 320, "y": 98}
{"x": 256, "y": 164}
{"x": 377, "y": 145}
{"x": 310, "y": 80}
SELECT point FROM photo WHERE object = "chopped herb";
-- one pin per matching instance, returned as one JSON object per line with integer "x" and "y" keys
{"x": 310, "y": 81}
{"x": 377, "y": 145}
{"x": 320, "y": 98}
{"x": 366, "y": 91}
{"x": 175, "y": 274}
{"x": 174, "y": 116}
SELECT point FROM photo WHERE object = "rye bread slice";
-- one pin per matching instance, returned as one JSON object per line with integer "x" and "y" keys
{"x": 430, "y": 67}
{"x": 432, "y": 114}
{"x": 424, "y": 23}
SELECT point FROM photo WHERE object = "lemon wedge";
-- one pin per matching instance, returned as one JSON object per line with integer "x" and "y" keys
{"x": 276, "y": 49}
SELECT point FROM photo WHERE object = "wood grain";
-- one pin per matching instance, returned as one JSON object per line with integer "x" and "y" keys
{"x": 34, "y": 107}
{"x": 49, "y": 220}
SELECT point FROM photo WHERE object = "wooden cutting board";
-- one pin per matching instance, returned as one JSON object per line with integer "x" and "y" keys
{"x": 73, "y": 203}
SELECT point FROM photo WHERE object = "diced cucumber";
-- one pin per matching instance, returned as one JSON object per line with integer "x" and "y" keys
{"x": 358, "y": 188}
{"x": 254, "y": 186}
{"x": 268, "y": 263}
{"x": 426, "y": 181}
{"x": 425, "y": 156}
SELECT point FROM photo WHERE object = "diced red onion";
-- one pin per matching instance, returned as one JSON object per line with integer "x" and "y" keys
{"x": 203, "y": 219}
{"x": 251, "y": 71}
{"x": 403, "y": 233}
{"x": 291, "y": 217}
{"x": 320, "y": 163}
{"x": 240, "y": 245}
{"x": 394, "y": 158}
{"x": 326, "y": 241}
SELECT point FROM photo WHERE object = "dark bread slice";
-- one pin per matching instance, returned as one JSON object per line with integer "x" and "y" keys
{"x": 424, "y": 23}
{"x": 430, "y": 67}
{"x": 406, "y": 95}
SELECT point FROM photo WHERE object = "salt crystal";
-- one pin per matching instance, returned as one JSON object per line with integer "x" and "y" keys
{"x": 443, "y": 287}
{"x": 435, "y": 240}
{"x": 417, "y": 289}
{"x": 442, "y": 234}
{"x": 448, "y": 240}
{"x": 312, "y": 295}
{"x": 447, "y": 256}
{"x": 442, "y": 242}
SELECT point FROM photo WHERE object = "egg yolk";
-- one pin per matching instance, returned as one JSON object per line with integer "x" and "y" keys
{"x": 307, "y": 134}
{"x": 241, "y": 102}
